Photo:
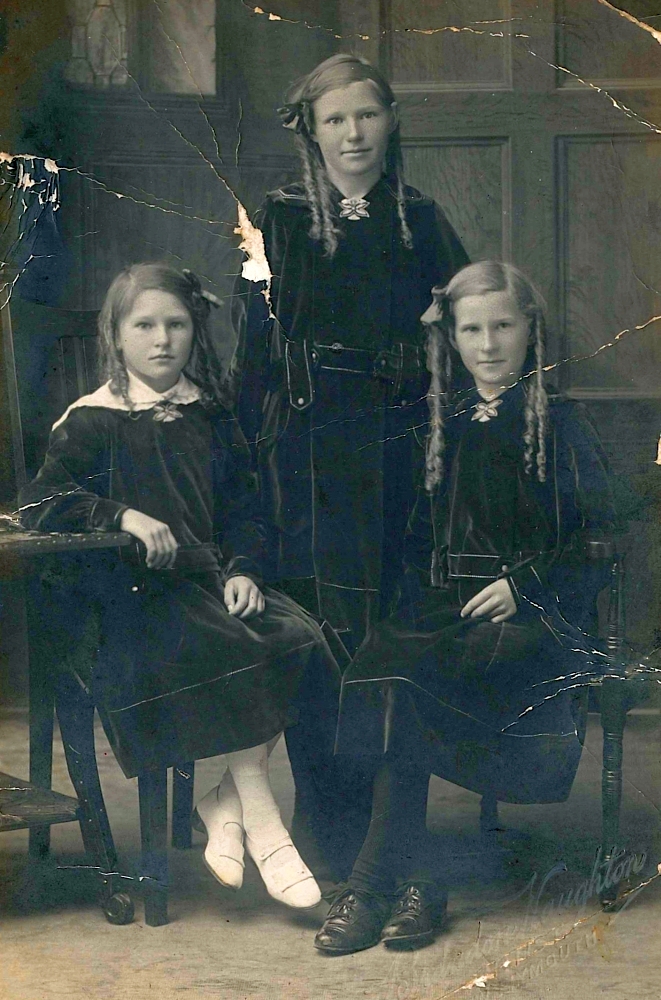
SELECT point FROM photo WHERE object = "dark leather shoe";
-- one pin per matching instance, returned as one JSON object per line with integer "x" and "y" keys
{"x": 353, "y": 923}
{"x": 416, "y": 915}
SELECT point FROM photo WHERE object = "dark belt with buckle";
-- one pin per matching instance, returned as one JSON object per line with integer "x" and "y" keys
{"x": 482, "y": 567}
{"x": 472, "y": 565}
{"x": 400, "y": 363}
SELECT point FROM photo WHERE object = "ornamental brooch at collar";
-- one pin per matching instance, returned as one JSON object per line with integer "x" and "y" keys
{"x": 354, "y": 209}
{"x": 166, "y": 411}
{"x": 485, "y": 411}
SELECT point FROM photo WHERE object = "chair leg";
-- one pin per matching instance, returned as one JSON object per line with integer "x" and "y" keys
{"x": 153, "y": 794}
{"x": 489, "y": 819}
{"x": 41, "y": 713}
{"x": 613, "y": 719}
{"x": 183, "y": 785}
{"x": 75, "y": 711}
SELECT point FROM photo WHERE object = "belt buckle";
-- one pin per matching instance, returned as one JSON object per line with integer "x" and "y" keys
{"x": 387, "y": 367}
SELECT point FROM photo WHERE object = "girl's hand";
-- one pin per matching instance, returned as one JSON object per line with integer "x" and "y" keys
{"x": 496, "y": 602}
{"x": 159, "y": 540}
{"x": 243, "y": 597}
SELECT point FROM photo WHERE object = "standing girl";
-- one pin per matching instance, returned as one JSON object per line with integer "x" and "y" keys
{"x": 333, "y": 377}
{"x": 195, "y": 659}
{"x": 497, "y": 599}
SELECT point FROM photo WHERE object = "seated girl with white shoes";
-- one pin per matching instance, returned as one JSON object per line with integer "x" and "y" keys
{"x": 196, "y": 658}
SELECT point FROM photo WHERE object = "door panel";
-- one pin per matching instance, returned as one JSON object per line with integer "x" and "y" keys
{"x": 436, "y": 45}
{"x": 599, "y": 44}
{"x": 611, "y": 260}
{"x": 470, "y": 180}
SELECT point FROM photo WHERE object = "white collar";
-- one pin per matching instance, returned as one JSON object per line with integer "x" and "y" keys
{"x": 142, "y": 397}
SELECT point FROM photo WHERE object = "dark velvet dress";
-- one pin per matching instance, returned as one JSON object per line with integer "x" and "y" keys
{"x": 491, "y": 706}
{"x": 332, "y": 389}
{"x": 175, "y": 677}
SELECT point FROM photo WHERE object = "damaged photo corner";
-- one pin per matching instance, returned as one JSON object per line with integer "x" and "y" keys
{"x": 330, "y": 544}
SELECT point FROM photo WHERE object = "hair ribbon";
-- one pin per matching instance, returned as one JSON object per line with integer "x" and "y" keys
{"x": 294, "y": 116}
{"x": 438, "y": 312}
{"x": 198, "y": 293}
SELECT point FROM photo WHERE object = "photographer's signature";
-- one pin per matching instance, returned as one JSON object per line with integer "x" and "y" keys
{"x": 544, "y": 939}
{"x": 606, "y": 874}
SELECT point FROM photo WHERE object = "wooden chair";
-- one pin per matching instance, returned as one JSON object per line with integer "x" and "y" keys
{"x": 618, "y": 687}
{"x": 55, "y": 354}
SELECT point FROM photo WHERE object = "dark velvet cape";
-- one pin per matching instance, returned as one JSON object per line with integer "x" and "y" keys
{"x": 336, "y": 447}
{"x": 175, "y": 677}
{"x": 493, "y": 705}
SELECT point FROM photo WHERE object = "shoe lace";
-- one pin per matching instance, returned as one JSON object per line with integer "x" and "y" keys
{"x": 410, "y": 901}
{"x": 343, "y": 906}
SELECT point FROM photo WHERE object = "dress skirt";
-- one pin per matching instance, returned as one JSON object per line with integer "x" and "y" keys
{"x": 486, "y": 706}
{"x": 353, "y": 454}
{"x": 175, "y": 677}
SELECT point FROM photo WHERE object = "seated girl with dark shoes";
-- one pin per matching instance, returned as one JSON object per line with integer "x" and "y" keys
{"x": 497, "y": 599}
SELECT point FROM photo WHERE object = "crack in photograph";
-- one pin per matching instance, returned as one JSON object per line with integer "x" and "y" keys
{"x": 330, "y": 499}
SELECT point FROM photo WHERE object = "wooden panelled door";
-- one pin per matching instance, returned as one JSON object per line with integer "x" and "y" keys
{"x": 537, "y": 127}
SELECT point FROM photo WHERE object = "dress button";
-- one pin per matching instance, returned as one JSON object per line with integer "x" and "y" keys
{"x": 404, "y": 402}
{"x": 383, "y": 362}
{"x": 300, "y": 401}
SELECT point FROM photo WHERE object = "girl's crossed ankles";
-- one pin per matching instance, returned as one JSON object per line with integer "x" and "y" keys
{"x": 195, "y": 658}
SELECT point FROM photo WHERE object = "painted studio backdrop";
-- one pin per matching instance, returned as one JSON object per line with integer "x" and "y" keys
{"x": 139, "y": 130}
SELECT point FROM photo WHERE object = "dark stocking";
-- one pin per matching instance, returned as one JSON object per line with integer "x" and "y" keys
{"x": 397, "y": 846}
{"x": 333, "y": 793}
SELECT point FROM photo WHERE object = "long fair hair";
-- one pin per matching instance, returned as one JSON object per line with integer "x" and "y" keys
{"x": 480, "y": 279}
{"x": 339, "y": 71}
{"x": 203, "y": 366}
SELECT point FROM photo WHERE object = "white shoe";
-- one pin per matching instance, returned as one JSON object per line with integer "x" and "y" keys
{"x": 286, "y": 876}
{"x": 224, "y": 851}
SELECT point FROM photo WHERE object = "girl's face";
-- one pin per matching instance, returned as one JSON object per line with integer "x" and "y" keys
{"x": 156, "y": 338}
{"x": 492, "y": 336}
{"x": 352, "y": 128}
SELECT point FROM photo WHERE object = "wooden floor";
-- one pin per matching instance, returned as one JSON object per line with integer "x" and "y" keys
{"x": 508, "y": 932}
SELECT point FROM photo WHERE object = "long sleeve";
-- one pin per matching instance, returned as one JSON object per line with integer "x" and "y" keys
{"x": 63, "y": 496}
{"x": 422, "y": 540}
{"x": 450, "y": 255}
{"x": 585, "y": 508}
{"x": 238, "y": 524}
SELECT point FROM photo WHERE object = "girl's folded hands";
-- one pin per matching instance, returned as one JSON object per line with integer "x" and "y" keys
{"x": 243, "y": 598}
